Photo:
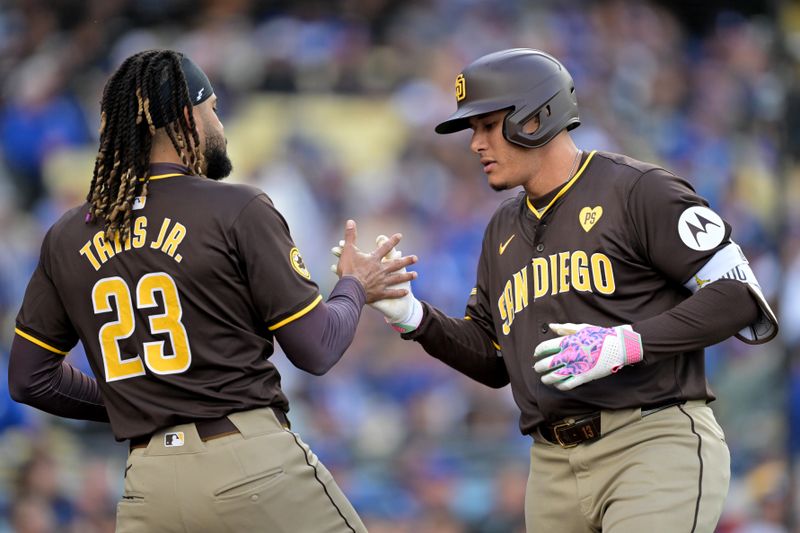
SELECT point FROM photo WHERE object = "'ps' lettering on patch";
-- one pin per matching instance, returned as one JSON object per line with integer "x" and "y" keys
{"x": 297, "y": 263}
{"x": 700, "y": 228}
{"x": 589, "y": 216}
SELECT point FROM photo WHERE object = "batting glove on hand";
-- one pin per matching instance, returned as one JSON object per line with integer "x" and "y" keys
{"x": 403, "y": 314}
{"x": 585, "y": 353}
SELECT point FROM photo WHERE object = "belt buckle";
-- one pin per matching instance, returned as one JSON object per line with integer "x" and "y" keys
{"x": 565, "y": 424}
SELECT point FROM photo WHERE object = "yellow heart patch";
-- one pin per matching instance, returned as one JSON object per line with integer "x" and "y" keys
{"x": 589, "y": 217}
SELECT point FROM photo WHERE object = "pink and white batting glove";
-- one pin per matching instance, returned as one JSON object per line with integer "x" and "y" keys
{"x": 585, "y": 353}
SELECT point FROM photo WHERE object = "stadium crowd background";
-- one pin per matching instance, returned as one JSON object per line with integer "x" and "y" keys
{"x": 329, "y": 107}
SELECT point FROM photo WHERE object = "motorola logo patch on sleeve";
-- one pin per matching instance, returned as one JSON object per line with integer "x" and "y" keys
{"x": 700, "y": 228}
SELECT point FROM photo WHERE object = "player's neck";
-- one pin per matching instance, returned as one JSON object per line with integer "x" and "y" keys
{"x": 557, "y": 164}
{"x": 159, "y": 153}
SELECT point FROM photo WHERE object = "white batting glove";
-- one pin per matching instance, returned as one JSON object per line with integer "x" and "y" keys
{"x": 403, "y": 314}
{"x": 585, "y": 353}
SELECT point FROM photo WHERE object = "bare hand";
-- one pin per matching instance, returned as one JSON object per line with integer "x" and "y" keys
{"x": 375, "y": 276}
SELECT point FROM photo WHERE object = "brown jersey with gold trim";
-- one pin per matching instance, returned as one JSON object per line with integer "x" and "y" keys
{"x": 176, "y": 322}
{"x": 615, "y": 245}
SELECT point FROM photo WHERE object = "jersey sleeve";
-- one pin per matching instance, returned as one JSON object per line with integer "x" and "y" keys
{"x": 280, "y": 283}
{"x": 478, "y": 306}
{"x": 677, "y": 230}
{"x": 42, "y": 319}
{"x": 691, "y": 244}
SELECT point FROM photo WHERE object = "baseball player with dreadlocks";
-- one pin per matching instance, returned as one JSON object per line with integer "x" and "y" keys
{"x": 178, "y": 285}
{"x": 598, "y": 288}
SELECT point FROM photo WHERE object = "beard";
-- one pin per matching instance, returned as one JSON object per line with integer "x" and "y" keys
{"x": 218, "y": 164}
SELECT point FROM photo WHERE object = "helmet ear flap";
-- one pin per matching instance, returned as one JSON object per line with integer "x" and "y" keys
{"x": 562, "y": 113}
{"x": 514, "y": 126}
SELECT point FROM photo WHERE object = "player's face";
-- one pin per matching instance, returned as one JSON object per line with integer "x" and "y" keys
{"x": 506, "y": 165}
{"x": 212, "y": 140}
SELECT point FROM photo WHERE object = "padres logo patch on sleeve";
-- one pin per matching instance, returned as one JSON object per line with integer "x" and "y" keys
{"x": 297, "y": 263}
{"x": 700, "y": 228}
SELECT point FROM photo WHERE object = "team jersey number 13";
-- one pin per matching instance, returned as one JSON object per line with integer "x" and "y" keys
{"x": 168, "y": 322}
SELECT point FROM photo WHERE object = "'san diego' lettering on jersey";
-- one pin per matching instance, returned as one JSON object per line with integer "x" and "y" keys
{"x": 556, "y": 274}
{"x": 97, "y": 250}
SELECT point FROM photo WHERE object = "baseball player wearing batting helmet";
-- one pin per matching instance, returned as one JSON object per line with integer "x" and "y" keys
{"x": 598, "y": 288}
{"x": 178, "y": 285}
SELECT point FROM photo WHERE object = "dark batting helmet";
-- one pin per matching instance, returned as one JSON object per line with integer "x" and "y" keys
{"x": 524, "y": 80}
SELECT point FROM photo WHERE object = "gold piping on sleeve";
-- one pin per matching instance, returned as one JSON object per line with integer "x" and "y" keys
{"x": 564, "y": 189}
{"x": 298, "y": 314}
{"x": 37, "y": 342}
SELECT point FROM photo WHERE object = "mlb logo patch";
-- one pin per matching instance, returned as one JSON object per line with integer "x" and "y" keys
{"x": 173, "y": 440}
{"x": 138, "y": 202}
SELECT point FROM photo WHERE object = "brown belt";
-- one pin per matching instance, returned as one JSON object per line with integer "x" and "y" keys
{"x": 573, "y": 431}
{"x": 212, "y": 428}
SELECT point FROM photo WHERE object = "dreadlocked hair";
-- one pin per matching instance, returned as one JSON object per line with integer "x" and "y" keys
{"x": 131, "y": 99}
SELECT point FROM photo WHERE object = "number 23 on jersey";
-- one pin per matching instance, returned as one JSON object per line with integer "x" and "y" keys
{"x": 169, "y": 322}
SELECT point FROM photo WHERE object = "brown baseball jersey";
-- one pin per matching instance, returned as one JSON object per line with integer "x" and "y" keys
{"x": 617, "y": 243}
{"x": 177, "y": 322}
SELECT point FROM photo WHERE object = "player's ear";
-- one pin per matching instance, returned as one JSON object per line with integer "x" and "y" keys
{"x": 533, "y": 124}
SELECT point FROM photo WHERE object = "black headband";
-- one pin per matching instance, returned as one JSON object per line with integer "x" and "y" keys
{"x": 197, "y": 83}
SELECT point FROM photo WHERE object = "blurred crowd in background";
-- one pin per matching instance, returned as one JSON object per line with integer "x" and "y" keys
{"x": 329, "y": 107}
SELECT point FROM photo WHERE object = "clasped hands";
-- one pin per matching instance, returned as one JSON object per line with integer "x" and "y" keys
{"x": 394, "y": 298}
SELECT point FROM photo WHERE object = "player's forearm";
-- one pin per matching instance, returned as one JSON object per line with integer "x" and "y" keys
{"x": 462, "y": 345}
{"x": 318, "y": 340}
{"x": 712, "y": 314}
{"x": 41, "y": 379}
